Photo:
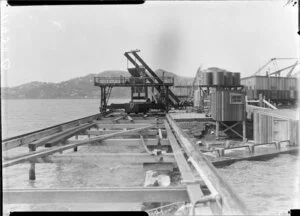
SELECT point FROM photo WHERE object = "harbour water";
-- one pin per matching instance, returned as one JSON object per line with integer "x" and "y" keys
{"x": 23, "y": 116}
{"x": 267, "y": 187}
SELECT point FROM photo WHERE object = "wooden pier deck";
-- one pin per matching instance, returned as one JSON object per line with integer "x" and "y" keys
{"x": 164, "y": 144}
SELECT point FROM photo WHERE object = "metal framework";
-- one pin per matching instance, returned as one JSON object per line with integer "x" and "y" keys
{"x": 277, "y": 72}
{"x": 142, "y": 78}
{"x": 139, "y": 63}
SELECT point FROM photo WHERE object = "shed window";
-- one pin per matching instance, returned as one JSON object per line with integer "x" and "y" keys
{"x": 236, "y": 99}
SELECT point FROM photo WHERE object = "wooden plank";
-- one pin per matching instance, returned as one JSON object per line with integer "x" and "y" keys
{"x": 183, "y": 166}
{"x": 102, "y": 132}
{"x": 193, "y": 188}
{"x": 59, "y": 136}
{"x": 27, "y": 138}
{"x": 231, "y": 128}
{"x": 95, "y": 195}
{"x": 226, "y": 162}
{"x": 131, "y": 158}
{"x": 121, "y": 126}
{"x": 232, "y": 204}
{"x": 129, "y": 118}
{"x": 144, "y": 145}
{"x": 62, "y": 148}
{"x": 130, "y": 142}
{"x": 125, "y": 121}
{"x": 65, "y": 136}
{"x": 119, "y": 118}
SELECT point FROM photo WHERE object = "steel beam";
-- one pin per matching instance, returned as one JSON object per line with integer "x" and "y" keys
{"x": 61, "y": 136}
{"x": 95, "y": 195}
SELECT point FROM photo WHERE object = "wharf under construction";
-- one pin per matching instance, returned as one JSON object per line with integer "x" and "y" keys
{"x": 193, "y": 144}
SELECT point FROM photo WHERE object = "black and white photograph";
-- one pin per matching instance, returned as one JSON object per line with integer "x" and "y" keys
{"x": 171, "y": 108}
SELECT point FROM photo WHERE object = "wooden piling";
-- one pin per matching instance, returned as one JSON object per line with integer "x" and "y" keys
{"x": 32, "y": 165}
{"x": 76, "y": 148}
{"x": 260, "y": 100}
{"x": 217, "y": 129}
{"x": 251, "y": 148}
{"x": 244, "y": 131}
{"x": 221, "y": 152}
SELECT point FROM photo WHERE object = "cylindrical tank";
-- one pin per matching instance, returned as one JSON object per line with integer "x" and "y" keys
{"x": 208, "y": 78}
{"x": 196, "y": 98}
{"x": 218, "y": 78}
{"x": 236, "y": 79}
{"x": 228, "y": 78}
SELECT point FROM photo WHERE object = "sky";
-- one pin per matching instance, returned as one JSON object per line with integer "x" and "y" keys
{"x": 57, "y": 43}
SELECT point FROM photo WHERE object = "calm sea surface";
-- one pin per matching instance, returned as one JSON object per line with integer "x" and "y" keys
{"x": 267, "y": 187}
{"x": 23, "y": 116}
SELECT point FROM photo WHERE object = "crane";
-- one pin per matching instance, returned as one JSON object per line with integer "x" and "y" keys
{"x": 277, "y": 71}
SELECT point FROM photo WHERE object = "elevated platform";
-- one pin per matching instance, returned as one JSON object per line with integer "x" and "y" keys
{"x": 182, "y": 116}
{"x": 131, "y": 81}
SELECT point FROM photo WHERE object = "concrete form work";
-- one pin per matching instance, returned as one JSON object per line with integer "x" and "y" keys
{"x": 166, "y": 145}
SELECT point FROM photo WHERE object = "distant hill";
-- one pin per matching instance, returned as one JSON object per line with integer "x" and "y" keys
{"x": 76, "y": 88}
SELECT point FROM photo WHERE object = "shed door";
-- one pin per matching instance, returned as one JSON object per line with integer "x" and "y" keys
{"x": 280, "y": 131}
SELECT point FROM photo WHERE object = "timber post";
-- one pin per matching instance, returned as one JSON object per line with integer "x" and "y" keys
{"x": 217, "y": 129}
{"x": 251, "y": 148}
{"x": 76, "y": 147}
{"x": 32, "y": 165}
{"x": 260, "y": 100}
{"x": 244, "y": 131}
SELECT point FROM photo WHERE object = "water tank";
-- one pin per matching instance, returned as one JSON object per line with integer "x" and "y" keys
{"x": 218, "y": 78}
{"x": 236, "y": 79}
{"x": 208, "y": 78}
{"x": 227, "y": 78}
